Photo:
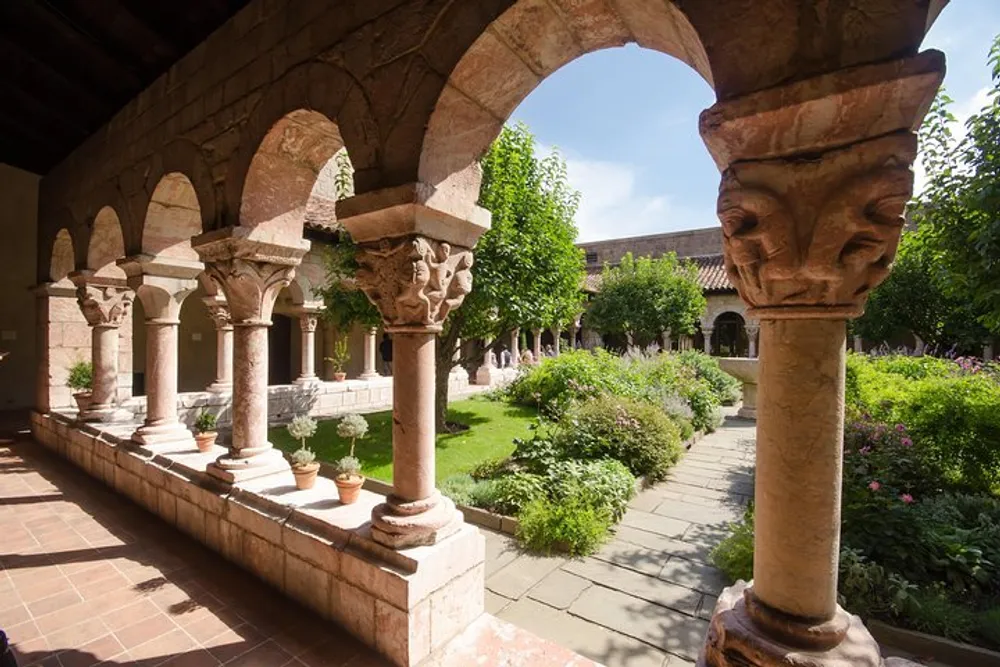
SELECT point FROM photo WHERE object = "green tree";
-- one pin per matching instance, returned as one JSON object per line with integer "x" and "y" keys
{"x": 528, "y": 270}
{"x": 641, "y": 298}
{"x": 960, "y": 206}
{"x": 915, "y": 298}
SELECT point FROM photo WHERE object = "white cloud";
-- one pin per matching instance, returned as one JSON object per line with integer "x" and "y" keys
{"x": 612, "y": 205}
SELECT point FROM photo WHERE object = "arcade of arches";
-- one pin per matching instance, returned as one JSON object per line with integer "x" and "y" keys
{"x": 190, "y": 216}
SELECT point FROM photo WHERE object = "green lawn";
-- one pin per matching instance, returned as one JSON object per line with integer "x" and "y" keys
{"x": 493, "y": 425}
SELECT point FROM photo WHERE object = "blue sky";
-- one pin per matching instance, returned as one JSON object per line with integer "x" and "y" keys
{"x": 627, "y": 122}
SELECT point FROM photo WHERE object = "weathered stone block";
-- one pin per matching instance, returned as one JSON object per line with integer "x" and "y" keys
{"x": 308, "y": 584}
{"x": 403, "y": 637}
{"x": 166, "y": 506}
{"x": 454, "y": 606}
{"x": 191, "y": 519}
{"x": 319, "y": 551}
{"x": 354, "y": 609}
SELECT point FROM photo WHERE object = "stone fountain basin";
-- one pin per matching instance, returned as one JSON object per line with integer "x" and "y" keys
{"x": 744, "y": 370}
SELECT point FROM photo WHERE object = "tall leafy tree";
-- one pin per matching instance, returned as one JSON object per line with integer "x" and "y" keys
{"x": 527, "y": 270}
{"x": 960, "y": 206}
{"x": 641, "y": 298}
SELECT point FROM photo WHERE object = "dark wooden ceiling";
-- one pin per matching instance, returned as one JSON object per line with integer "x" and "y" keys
{"x": 66, "y": 66}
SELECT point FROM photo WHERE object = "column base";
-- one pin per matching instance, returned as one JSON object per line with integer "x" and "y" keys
{"x": 312, "y": 379}
{"x": 489, "y": 376}
{"x": 233, "y": 470}
{"x": 736, "y": 639}
{"x": 369, "y": 376}
{"x": 174, "y": 433}
{"x": 747, "y": 412}
{"x": 398, "y": 524}
{"x": 220, "y": 388}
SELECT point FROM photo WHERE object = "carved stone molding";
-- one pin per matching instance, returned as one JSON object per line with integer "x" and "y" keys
{"x": 104, "y": 305}
{"x": 218, "y": 310}
{"x": 308, "y": 321}
{"x": 251, "y": 287}
{"x": 808, "y": 238}
{"x": 414, "y": 281}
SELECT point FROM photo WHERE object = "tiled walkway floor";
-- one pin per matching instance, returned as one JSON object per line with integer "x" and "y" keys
{"x": 86, "y": 577}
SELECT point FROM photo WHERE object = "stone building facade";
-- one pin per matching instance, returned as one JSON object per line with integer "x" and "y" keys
{"x": 724, "y": 329}
{"x": 220, "y": 164}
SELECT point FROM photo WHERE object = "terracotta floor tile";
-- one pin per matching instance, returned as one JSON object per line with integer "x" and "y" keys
{"x": 14, "y": 615}
{"x": 92, "y": 653}
{"x": 129, "y": 614}
{"x": 196, "y": 658}
{"x": 76, "y": 635}
{"x": 64, "y": 618}
{"x": 145, "y": 630}
{"x": 165, "y": 646}
{"x": 43, "y": 589}
{"x": 267, "y": 654}
{"x": 54, "y": 603}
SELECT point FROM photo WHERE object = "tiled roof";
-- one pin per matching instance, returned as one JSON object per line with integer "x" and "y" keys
{"x": 711, "y": 275}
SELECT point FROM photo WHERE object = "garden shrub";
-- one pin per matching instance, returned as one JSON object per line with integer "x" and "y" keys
{"x": 634, "y": 432}
{"x": 458, "y": 488}
{"x": 734, "y": 554}
{"x": 682, "y": 414}
{"x": 491, "y": 468}
{"x": 573, "y": 375}
{"x": 724, "y": 386}
{"x": 508, "y": 494}
{"x": 935, "y": 613}
{"x": 606, "y": 484}
{"x": 572, "y": 527}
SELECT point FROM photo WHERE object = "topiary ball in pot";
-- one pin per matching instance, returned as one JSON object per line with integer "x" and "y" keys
{"x": 349, "y": 479}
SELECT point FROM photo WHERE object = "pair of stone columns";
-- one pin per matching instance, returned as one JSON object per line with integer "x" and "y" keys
{"x": 752, "y": 329}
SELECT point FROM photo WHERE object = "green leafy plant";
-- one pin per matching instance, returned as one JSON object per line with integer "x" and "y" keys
{"x": 302, "y": 457}
{"x": 724, "y": 386}
{"x": 81, "y": 376}
{"x": 572, "y": 527}
{"x": 606, "y": 484}
{"x": 510, "y": 493}
{"x": 341, "y": 354}
{"x": 734, "y": 554}
{"x": 352, "y": 426}
{"x": 205, "y": 422}
{"x": 302, "y": 427}
{"x": 347, "y": 467}
{"x": 458, "y": 488}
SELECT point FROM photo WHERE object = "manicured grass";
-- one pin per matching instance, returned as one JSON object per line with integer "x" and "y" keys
{"x": 493, "y": 425}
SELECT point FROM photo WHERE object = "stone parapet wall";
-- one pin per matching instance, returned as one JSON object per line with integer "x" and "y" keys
{"x": 405, "y": 604}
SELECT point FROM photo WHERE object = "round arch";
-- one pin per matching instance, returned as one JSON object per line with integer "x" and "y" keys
{"x": 173, "y": 216}
{"x": 314, "y": 107}
{"x": 729, "y": 335}
{"x": 62, "y": 259}
{"x": 106, "y": 245}
{"x": 511, "y": 57}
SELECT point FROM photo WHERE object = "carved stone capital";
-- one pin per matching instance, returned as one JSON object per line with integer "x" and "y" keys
{"x": 308, "y": 321}
{"x": 218, "y": 310}
{"x": 251, "y": 287}
{"x": 810, "y": 237}
{"x": 414, "y": 281}
{"x": 104, "y": 303}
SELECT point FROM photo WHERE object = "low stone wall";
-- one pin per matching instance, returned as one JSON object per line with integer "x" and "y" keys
{"x": 405, "y": 604}
{"x": 319, "y": 399}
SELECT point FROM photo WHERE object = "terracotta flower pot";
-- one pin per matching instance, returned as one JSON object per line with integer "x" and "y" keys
{"x": 206, "y": 440}
{"x": 305, "y": 476}
{"x": 339, "y": 377}
{"x": 349, "y": 488}
{"x": 82, "y": 399}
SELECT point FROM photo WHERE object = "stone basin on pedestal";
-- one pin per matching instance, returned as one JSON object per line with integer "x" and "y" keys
{"x": 744, "y": 370}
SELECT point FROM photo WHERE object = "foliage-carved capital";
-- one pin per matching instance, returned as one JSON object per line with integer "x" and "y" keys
{"x": 810, "y": 238}
{"x": 104, "y": 305}
{"x": 218, "y": 310}
{"x": 414, "y": 281}
{"x": 251, "y": 287}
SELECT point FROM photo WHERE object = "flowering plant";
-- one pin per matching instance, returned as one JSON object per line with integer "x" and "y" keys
{"x": 881, "y": 463}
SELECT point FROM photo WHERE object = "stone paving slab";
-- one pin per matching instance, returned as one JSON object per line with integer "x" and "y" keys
{"x": 655, "y": 523}
{"x": 560, "y": 589}
{"x": 521, "y": 574}
{"x": 637, "y": 585}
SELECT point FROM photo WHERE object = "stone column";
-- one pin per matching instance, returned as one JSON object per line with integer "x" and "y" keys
{"x": 488, "y": 374}
{"x": 415, "y": 281}
{"x": 515, "y": 351}
{"x": 308, "y": 319}
{"x": 988, "y": 354}
{"x": 537, "y": 346}
{"x": 251, "y": 287}
{"x": 804, "y": 242}
{"x": 573, "y": 328}
{"x": 218, "y": 310}
{"x": 753, "y": 328}
{"x": 707, "y": 333}
{"x": 370, "y": 371}
{"x": 556, "y": 340}
{"x": 105, "y": 303}
{"x": 859, "y": 344}
{"x": 161, "y": 285}
{"x": 665, "y": 338}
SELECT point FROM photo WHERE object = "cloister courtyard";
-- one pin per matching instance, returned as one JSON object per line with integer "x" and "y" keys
{"x": 237, "y": 451}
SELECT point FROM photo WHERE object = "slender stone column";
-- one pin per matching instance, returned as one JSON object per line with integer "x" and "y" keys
{"x": 370, "y": 372}
{"x": 752, "y": 328}
{"x": 859, "y": 344}
{"x": 161, "y": 285}
{"x": 218, "y": 310}
{"x": 537, "y": 346}
{"x": 556, "y": 340}
{"x": 515, "y": 352}
{"x": 665, "y": 340}
{"x": 805, "y": 241}
{"x": 307, "y": 370}
{"x": 251, "y": 287}
{"x": 105, "y": 303}
{"x": 988, "y": 354}
{"x": 707, "y": 332}
{"x": 573, "y": 328}
{"x": 414, "y": 281}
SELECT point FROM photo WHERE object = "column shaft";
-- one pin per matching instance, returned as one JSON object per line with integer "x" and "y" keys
{"x": 800, "y": 428}
{"x": 413, "y": 416}
{"x": 249, "y": 390}
{"x": 708, "y": 340}
{"x": 370, "y": 348}
{"x": 537, "y": 351}
{"x": 307, "y": 372}
{"x": 104, "y": 355}
{"x": 515, "y": 353}
{"x": 161, "y": 372}
{"x": 223, "y": 359}
{"x": 555, "y": 339}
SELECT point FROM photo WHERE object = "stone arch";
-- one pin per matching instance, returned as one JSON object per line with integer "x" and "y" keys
{"x": 184, "y": 157}
{"x": 511, "y": 57}
{"x": 308, "y": 114}
{"x": 173, "y": 216}
{"x": 106, "y": 245}
{"x": 62, "y": 259}
{"x": 729, "y": 334}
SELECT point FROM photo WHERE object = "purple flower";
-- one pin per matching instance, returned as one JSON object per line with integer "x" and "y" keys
{"x": 906, "y": 498}
{"x": 900, "y": 428}
{"x": 865, "y": 451}
{"x": 875, "y": 486}
{"x": 906, "y": 442}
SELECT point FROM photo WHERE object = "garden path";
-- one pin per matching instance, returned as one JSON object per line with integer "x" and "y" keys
{"x": 643, "y": 600}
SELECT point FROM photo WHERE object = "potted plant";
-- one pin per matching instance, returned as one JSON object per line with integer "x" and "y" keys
{"x": 339, "y": 359}
{"x": 349, "y": 478}
{"x": 304, "y": 465}
{"x": 81, "y": 380}
{"x": 204, "y": 431}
